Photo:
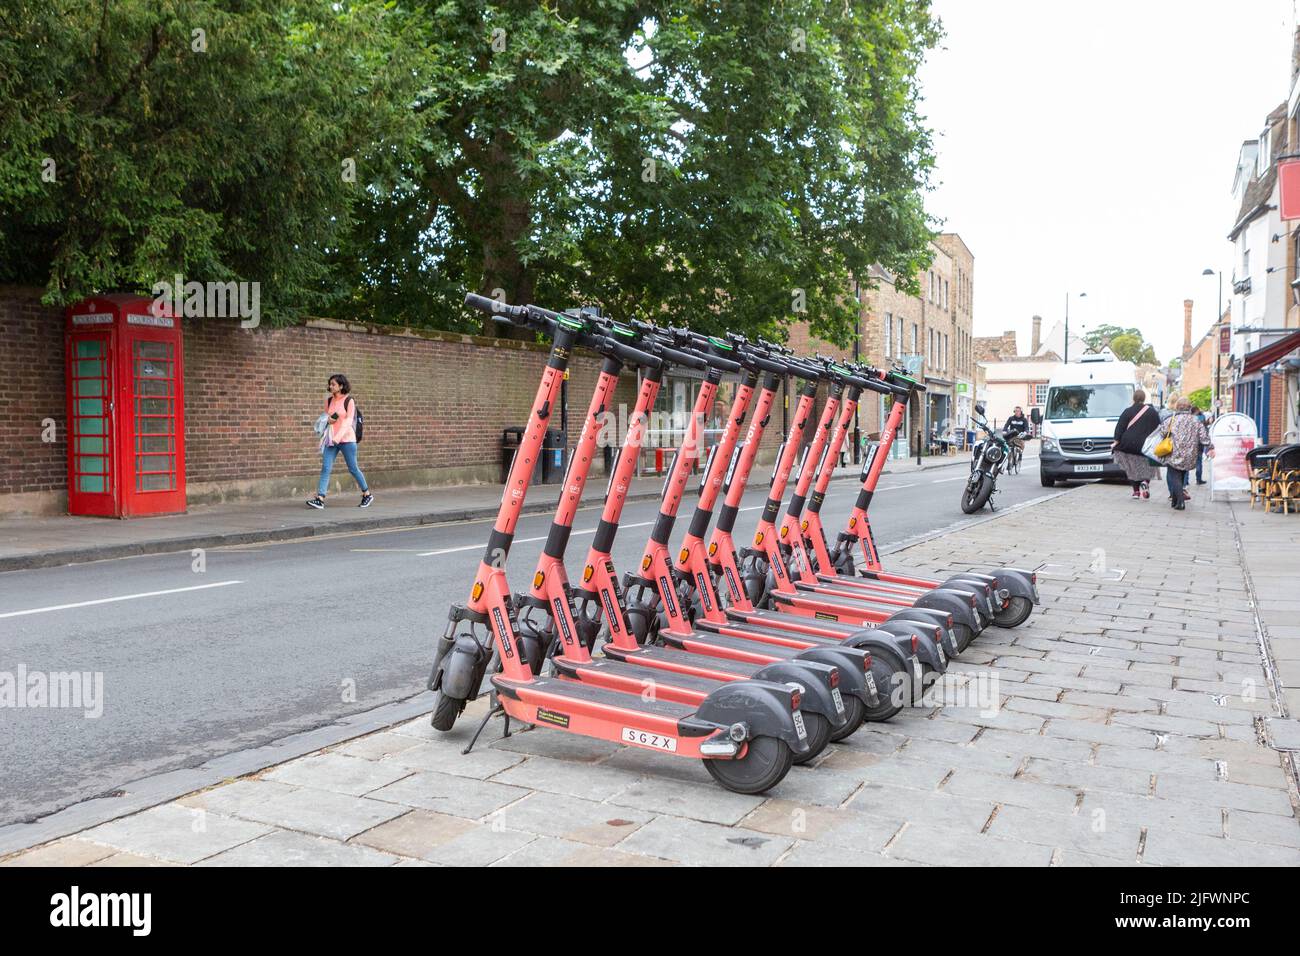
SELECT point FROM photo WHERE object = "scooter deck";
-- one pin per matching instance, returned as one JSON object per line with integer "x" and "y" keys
{"x": 638, "y": 676}
{"x": 757, "y": 644}
{"x": 883, "y": 603}
{"x": 850, "y": 606}
{"x": 651, "y": 655}
{"x": 755, "y": 619}
{"x": 559, "y": 689}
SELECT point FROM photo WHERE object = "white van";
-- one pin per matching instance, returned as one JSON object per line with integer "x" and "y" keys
{"x": 1084, "y": 400}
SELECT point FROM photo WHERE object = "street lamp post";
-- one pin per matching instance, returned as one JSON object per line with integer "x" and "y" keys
{"x": 1218, "y": 354}
{"x": 1082, "y": 295}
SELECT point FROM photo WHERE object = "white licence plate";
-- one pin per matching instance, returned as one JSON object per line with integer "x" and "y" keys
{"x": 839, "y": 701}
{"x": 871, "y": 685}
{"x": 654, "y": 741}
{"x": 1084, "y": 468}
{"x": 799, "y": 728}
{"x": 943, "y": 658}
{"x": 916, "y": 668}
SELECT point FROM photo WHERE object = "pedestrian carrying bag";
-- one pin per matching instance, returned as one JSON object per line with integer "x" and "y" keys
{"x": 358, "y": 423}
{"x": 1156, "y": 447}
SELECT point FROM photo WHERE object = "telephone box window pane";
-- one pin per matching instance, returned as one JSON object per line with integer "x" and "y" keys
{"x": 154, "y": 386}
{"x": 153, "y": 406}
{"x": 90, "y": 406}
{"x": 148, "y": 443}
{"x": 152, "y": 368}
{"x": 90, "y": 426}
{"x": 88, "y": 386}
{"x": 155, "y": 350}
{"x": 152, "y": 426}
{"x": 89, "y": 348}
{"x": 94, "y": 484}
{"x": 154, "y": 483}
{"x": 90, "y": 446}
{"x": 153, "y": 462}
{"x": 92, "y": 466}
{"x": 89, "y": 368}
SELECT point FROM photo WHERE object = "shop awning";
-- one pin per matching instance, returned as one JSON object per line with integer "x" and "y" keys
{"x": 1269, "y": 354}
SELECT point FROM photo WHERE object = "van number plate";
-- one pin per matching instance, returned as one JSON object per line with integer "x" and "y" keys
{"x": 799, "y": 728}
{"x": 654, "y": 741}
{"x": 1083, "y": 468}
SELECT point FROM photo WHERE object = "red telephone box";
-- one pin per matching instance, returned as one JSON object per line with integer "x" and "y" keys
{"x": 126, "y": 408}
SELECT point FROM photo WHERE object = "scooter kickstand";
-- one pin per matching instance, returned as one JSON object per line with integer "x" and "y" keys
{"x": 496, "y": 706}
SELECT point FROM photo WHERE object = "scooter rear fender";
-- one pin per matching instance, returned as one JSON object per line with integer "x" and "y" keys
{"x": 956, "y": 603}
{"x": 815, "y": 679}
{"x": 761, "y": 706}
{"x": 852, "y": 663}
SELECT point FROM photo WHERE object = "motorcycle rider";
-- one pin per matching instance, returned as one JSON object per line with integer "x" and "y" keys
{"x": 1017, "y": 424}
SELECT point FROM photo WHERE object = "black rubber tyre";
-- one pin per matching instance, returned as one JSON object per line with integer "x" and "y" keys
{"x": 972, "y": 500}
{"x": 1045, "y": 480}
{"x": 766, "y": 762}
{"x": 963, "y": 635}
{"x": 1015, "y": 613}
{"x": 445, "y": 711}
{"x": 890, "y": 673}
{"x": 819, "y": 735}
{"x": 855, "y": 713}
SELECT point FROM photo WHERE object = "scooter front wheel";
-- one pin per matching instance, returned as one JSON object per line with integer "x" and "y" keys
{"x": 766, "y": 762}
{"x": 855, "y": 712}
{"x": 445, "y": 711}
{"x": 819, "y": 735}
{"x": 1015, "y": 613}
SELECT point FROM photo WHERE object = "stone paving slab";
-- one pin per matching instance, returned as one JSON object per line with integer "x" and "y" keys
{"x": 1139, "y": 721}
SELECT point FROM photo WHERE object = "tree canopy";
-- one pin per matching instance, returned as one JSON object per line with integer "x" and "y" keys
{"x": 1127, "y": 344}
{"x": 717, "y": 163}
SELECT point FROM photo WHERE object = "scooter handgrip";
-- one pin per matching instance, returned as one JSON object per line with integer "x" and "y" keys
{"x": 765, "y": 364}
{"x": 539, "y": 312}
{"x": 678, "y": 357}
{"x": 492, "y": 306}
{"x": 725, "y": 364}
{"x": 634, "y": 356}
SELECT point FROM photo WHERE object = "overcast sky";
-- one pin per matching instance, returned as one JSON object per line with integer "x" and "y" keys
{"x": 1091, "y": 146}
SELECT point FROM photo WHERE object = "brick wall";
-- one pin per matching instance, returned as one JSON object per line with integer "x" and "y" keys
{"x": 435, "y": 404}
{"x": 1277, "y": 418}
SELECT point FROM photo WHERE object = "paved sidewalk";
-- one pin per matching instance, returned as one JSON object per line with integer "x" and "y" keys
{"x": 1134, "y": 713}
{"x": 49, "y": 541}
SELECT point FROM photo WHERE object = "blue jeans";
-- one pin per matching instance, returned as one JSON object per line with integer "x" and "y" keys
{"x": 1200, "y": 457}
{"x": 349, "y": 449}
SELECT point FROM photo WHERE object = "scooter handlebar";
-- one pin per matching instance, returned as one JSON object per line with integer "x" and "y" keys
{"x": 678, "y": 357}
{"x": 494, "y": 307}
{"x": 613, "y": 348}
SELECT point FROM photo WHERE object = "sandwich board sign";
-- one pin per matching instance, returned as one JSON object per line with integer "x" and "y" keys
{"x": 1231, "y": 436}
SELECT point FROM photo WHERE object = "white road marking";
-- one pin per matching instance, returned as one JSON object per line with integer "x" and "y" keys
{"x": 387, "y": 551}
{"x": 124, "y": 597}
{"x": 939, "y": 481}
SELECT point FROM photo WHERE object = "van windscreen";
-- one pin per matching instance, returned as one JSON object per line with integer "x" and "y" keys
{"x": 1066, "y": 402}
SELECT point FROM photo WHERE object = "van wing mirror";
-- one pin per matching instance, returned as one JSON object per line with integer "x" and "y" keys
{"x": 1035, "y": 416}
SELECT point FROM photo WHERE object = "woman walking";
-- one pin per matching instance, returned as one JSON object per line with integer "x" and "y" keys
{"x": 1135, "y": 423}
{"x": 1188, "y": 435}
{"x": 340, "y": 436}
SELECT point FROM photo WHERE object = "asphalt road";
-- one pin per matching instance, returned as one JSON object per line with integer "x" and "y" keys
{"x": 269, "y": 640}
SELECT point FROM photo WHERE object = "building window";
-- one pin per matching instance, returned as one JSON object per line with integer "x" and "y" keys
{"x": 1245, "y": 263}
{"x": 916, "y": 339}
{"x": 899, "y": 341}
{"x": 945, "y": 295}
{"x": 889, "y": 335}
{"x": 1039, "y": 392}
{"x": 1264, "y": 155}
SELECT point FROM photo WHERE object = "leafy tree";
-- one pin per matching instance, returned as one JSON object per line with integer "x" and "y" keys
{"x": 687, "y": 161}
{"x": 1127, "y": 344}
{"x": 144, "y": 138}
{"x": 1200, "y": 398}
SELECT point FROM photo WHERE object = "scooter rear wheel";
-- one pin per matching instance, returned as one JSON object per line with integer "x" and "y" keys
{"x": 963, "y": 635}
{"x": 1015, "y": 613}
{"x": 855, "y": 712}
{"x": 766, "y": 762}
{"x": 445, "y": 711}
{"x": 819, "y": 735}
{"x": 890, "y": 674}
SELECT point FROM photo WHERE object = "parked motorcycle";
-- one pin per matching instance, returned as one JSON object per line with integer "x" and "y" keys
{"x": 988, "y": 458}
